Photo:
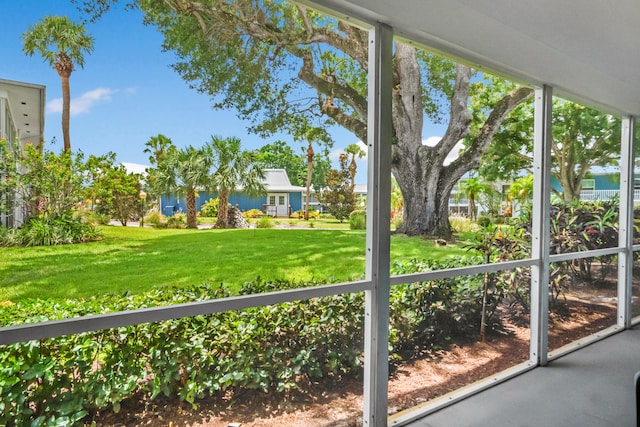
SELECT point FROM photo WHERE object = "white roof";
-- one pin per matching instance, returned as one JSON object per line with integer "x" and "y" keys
{"x": 586, "y": 50}
{"x": 277, "y": 180}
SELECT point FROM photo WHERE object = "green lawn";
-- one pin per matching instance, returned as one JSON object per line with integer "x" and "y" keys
{"x": 134, "y": 259}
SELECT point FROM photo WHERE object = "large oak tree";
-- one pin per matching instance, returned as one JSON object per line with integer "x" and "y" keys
{"x": 262, "y": 59}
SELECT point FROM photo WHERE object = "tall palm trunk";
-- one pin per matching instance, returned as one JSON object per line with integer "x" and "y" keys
{"x": 64, "y": 67}
{"x": 310, "y": 155}
{"x": 66, "y": 107}
{"x": 192, "y": 217}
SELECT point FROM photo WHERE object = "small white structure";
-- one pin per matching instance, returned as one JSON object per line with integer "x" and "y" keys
{"x": 281, "y": 195}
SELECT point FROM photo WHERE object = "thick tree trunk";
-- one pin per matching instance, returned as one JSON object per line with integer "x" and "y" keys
{"x": 419, "y": 169}
{"x": 192, "y": 217}
{"x": 424, "y": 179}
{"x": 223, "y": 210}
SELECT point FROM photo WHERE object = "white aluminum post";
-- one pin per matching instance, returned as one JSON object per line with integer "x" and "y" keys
{"x": 540, "y": 226}
{"x": 379, "y": 133}
{"x": 625, "y": 259}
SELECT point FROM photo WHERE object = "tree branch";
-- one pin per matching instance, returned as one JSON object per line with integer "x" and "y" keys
{"x": 471, "y": 157}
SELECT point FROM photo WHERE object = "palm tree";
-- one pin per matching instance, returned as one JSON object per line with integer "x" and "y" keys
{"x": 183, "y": 172}
{"x": 157, "y": 146}
{"x": 61, "y": 43}
{"x": 233, "y": 169}
{"x": 521, "y": 189}
{"x": 356, "y": 151}
{"x": 472, "y": 187}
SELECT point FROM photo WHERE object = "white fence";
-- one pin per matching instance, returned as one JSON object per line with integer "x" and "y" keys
{"x": 461, "y": 205}
{"x": 604, "y": 195}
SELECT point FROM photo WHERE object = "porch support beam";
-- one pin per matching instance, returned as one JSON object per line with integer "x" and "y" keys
{"x": 540, "y": 226}
{"x": 625, "y": 239}
{"x": 379, "y": 133}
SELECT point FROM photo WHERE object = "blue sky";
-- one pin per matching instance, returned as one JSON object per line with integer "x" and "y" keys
{"x": 126, "y": 92}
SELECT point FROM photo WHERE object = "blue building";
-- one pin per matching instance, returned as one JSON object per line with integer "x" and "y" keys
{"x": 279, "y": 200}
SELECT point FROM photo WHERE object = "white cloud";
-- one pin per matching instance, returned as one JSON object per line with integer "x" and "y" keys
{"x": 453, "y": 154}
{"x": 134, "y": 167}
{"x": 83, "y": 103}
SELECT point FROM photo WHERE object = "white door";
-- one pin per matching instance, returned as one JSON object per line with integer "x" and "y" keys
{"x": 278, "y": 204}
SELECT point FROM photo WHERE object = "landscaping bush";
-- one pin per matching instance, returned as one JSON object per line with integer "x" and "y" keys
{"x": 210, "y": 208}
{"x": 177, "y": 220}
{"x": 50, "y": 230}
{"x": 67, "y": 380}
{"x": 265, "y": 221}
{"x": 427, "y": 315}
{"x": 462, "y": 224}
{"x": 483, "y": 221}
{"x": 252, "y": 213}
{"x": 155, "y": 219}
{"x": 313, "y": 214}
{"x": 358, "y": 220}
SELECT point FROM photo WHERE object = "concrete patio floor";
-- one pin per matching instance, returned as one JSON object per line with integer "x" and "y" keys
{"x": 592, "y": 386}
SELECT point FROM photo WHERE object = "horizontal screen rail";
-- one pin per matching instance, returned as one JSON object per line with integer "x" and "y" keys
{"x": 460, "y": 271}
{"x": 76, "y": 325}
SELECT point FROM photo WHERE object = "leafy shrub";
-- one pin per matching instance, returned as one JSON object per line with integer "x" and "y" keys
{"x": 210, "y": 208}
{"x": 462, "y": 224}
{"x": 313, "y": 214}
{"x": 428, "y": 314}
{"x": 275, "y": 348}
{"x": 64, "y": 381}
{"x": 50, "y": 230}
{"x": 177, "y": 220}
{"x": 252, "y": 213}
{"x": 484, "y": 221}
{"x": 265, "y": 221}
{"x": 102, "y": 219}
{"x": 358, "y": 220}
{"x": 155, "y": 219}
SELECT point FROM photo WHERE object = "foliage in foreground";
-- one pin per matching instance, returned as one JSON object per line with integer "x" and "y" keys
{"x": 69, "y": 380}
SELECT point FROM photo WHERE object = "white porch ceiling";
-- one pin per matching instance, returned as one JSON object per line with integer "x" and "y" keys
{"x": 587, "y": 50}
{"x": 26, "y": 103}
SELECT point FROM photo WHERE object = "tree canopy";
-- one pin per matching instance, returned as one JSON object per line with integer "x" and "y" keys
{"x": 285, "y": 67}
{"x": 582, "y": 138}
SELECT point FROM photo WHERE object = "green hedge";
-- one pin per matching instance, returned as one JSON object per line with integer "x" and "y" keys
{"x": 67, "y": 380}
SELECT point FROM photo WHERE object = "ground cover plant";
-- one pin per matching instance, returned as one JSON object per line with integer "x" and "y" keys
{"x": 134, "y": 260}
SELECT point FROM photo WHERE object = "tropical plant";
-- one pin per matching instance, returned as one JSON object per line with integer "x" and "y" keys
{"x": 473, "y": 187}
{"x": 355, "y": 151}
{"x": 157, "y": 146}
{"x": 210, "y": 208}
{"x": 183, "y": 171}
{"x": 62, "y": 43}
{"x": 233, "y": 169}
{"x": 48, "y": 182}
